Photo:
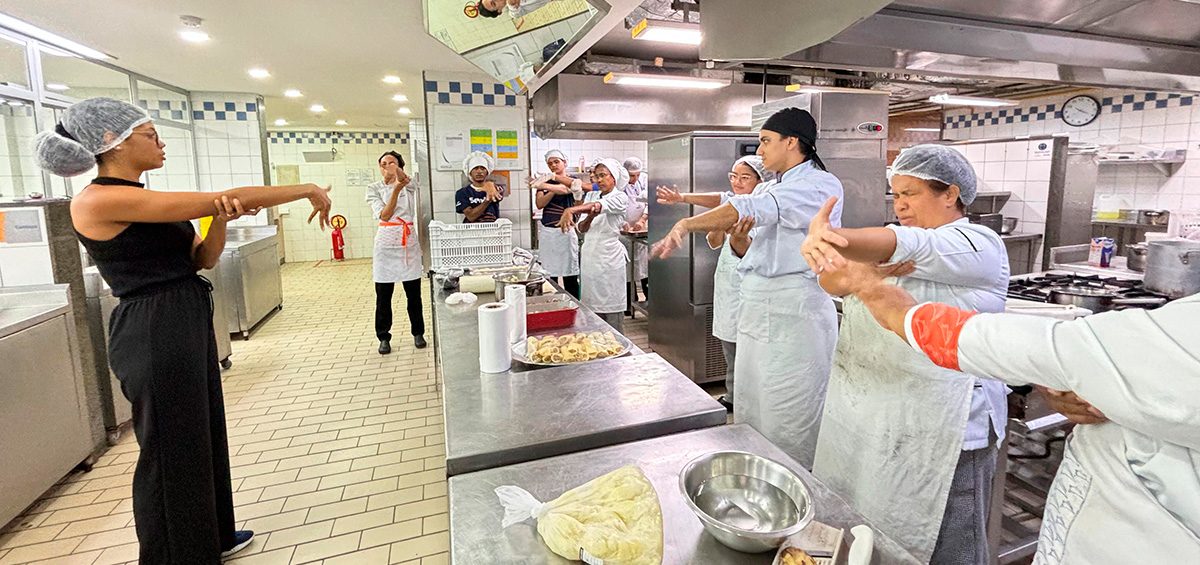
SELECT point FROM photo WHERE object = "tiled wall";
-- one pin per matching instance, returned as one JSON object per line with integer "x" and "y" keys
{"x": 1154, "y": 119}
{"x": 19, "y": 174}
{"x": 228, "y": 143}
{"x": 1020, "y": 167}
{"x": 348, "y": 175}
{"x": 463, "y": 91}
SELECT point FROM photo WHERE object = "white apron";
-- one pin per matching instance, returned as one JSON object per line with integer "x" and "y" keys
{"x": 892, "y": 431}
{"x": 397, "y": 252}
{"x": 726, "y": 285}
{"x": 787, "y": 331}
{"x": 602, "y": 265}
{"x": 558, "y": 252}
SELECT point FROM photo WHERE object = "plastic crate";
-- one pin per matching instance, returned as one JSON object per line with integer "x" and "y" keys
{"x": 470, "y": 245}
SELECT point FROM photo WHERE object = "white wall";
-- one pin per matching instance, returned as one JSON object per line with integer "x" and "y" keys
{"x": 354, "y": 169}
{"x": 1155, "y": 119}
{"x": 228, "y": 143}
{"x": 19, "y": 173}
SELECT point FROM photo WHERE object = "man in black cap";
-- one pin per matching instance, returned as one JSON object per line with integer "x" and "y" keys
{"x": 787, "y": 328}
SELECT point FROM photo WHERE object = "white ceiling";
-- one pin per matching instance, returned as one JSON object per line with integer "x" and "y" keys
{"x": 335, "y": 52}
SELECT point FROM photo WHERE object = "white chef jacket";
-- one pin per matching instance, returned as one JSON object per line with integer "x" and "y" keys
{"x": 396, "y": 264}
{"x": 782, "y": 210}
{"x": 1128, "y": 491}
{"x": 964, "y": 265}
{"x": 637, "y": 199}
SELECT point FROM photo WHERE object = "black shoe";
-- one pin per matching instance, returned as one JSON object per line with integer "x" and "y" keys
{"x": 385, "y": 347}
{"x": 419, "y": 341}
{"x": 241, "y": 539}
{"x": 728, "y": 404}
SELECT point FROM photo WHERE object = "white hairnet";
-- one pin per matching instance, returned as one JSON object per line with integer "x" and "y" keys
{"x": 615, "y": 169}
{"x": 633, "y": 165}
{"x": 755, "y": 162}
{"x": 940, "y": 163}
{"x": 478, "y": 159}
{"x": 89, "y": 128}
{"x": 556, "y": 153}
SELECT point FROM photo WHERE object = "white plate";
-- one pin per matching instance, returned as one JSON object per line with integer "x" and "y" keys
{"x": 518, "y": 350}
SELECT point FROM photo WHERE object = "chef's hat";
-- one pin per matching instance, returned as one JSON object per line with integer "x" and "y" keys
{"x": 615, "y": 169}
{"x": 556, "y": 153}
{"x": 478, "y": 159}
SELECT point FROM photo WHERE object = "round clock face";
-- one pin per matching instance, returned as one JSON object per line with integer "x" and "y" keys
{"x": 1080, "y": 110}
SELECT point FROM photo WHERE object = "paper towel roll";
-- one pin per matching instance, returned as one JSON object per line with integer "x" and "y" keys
{"x": 494, "y": 327}
{"x": 514, "y": 296}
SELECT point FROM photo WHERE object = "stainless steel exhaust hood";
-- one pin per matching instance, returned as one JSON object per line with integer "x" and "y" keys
{"x": 1140, "y": 44}
{"x": 584, "y": 107}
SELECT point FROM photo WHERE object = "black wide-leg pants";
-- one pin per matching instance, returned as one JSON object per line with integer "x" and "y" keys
{"x": 163, "y": 351}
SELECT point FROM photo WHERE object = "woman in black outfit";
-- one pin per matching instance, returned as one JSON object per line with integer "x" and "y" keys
{"x": 161, "y": 342}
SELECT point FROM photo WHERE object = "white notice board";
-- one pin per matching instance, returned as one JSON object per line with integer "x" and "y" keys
{"x": 451, "y": 127}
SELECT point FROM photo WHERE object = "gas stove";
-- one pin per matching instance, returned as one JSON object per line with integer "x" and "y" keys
{"x": 1037, "y": 288}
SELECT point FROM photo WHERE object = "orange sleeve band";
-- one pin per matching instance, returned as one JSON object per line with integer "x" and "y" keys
{"x": 935, "y": 329}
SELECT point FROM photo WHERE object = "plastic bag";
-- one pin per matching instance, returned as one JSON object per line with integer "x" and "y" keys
{"x": 614, "y": 519}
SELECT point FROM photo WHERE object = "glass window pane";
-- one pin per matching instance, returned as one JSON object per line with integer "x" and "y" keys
{"x": 19, "y": 173}
{"x": 178, "y": 173}
{"x": 82, "y": 78}
{"x": 13, "y": 70}
{"x": 163, "y": 104}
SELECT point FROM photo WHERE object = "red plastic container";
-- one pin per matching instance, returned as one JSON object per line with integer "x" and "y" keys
{"x": 549, "y": 312}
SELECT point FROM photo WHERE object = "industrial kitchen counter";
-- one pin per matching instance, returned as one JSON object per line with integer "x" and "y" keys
{"x": 475, "y": 511}
{"x": 533, "y": 412}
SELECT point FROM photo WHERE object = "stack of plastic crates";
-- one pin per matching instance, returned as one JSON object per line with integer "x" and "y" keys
{"x": 459, "y": 246}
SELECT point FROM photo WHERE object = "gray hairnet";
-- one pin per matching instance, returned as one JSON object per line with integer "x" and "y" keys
{"x": 88, "y": 129}
{"x": 633, "y": 165}
{"x": 755, "y": 162}
{"x": 616, "y": 170}
{"x": 556, "y": 153}
{"x": 940, "y": 163}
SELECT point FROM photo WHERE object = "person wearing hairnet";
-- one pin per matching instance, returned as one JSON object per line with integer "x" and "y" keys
{"x": 908, "y": 444}
{"x": 161, "y": 343}
{"x": 635, "y": 220}
{"x": 747, "y": 174}
{"x": 479, "y": 201}
{"x": 1128, "y": 490}
{"x": 397, "y": 253}
{"x": 558, "y": 251}
{"x": 787, "y": 326}
{"x": 602, "y": 261}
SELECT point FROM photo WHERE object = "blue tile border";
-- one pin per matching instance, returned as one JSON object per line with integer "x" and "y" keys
{"x": 225, "y": 111}
{"x": 1108, "y": 105}
{"x": 469, "y": 93}
{"x": 345, "y": 137}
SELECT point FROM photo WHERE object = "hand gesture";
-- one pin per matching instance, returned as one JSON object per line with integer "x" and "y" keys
{"x": 672, "y": 241}
{"x": 669, "y": 196}
{"x": 740, "y": 230}
{"x": 402, "y": 181}
{"x": 228, "y": 209}
{"x": 820, "y": 247}
{"x": 319, "y": 198}
{"x": 1070, "y": 405}
{"x": 566, "y": 222}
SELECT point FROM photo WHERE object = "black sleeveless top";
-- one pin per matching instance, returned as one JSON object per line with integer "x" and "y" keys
{"x": 145, "y": 255}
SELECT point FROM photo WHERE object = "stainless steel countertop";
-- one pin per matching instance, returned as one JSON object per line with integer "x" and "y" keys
{"x": 496, "y": 420}
{"x": 1021, "y": 237}
{"x": 249, "y": 244}
{"x": 475, "y": 511}
{"x": 26, "y": 306}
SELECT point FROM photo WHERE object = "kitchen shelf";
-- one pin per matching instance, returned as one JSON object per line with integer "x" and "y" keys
{"x": 1167, "y": 164}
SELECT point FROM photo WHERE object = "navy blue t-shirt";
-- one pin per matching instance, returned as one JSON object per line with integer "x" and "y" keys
{"x": 554, "y": 209}
{"x": 468, "y": 197}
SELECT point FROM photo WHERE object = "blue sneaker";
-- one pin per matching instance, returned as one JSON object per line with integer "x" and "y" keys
{"x": 241, "y": 539}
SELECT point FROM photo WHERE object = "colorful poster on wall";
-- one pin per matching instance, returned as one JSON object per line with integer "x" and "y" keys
{"x": 507, "y": 149}
{"x": 481, "y": 140}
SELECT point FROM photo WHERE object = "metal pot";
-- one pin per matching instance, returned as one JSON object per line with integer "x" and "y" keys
{"x": 994, "y": 221}
{"x": 1009, "y": 226}
{"x": 1173, "y": 267}
{"x": 1154, "y": 217}
{"x": 1136, "y": 254}
{"x": 533, "y": 285}
{"x": 1097, "y": 300}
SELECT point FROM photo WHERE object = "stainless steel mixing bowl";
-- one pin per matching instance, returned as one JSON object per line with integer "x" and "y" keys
{"x": 749, "y": 503}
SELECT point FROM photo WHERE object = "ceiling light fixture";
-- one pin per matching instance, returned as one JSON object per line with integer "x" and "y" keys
{"x": 191, "y": 32}
{"x": 405, "y": 111}
{"x": 934, "y": 130}
{"x": 293, "y": 93}
{"x": 340, "y": 123}
{"x": 57, "y": 86}
{"x": 665, "y": 81}
{"x": 954, "y": 100}
{"x": 257, "y": 72}
{"x": 316, "y": 108}
{"x": 391, "y": 79}
{"x": 281, "y": 122}
{"x": 667, "y": 32}
{"x": 40, "y": 34}
{"x": 399, "y": 98}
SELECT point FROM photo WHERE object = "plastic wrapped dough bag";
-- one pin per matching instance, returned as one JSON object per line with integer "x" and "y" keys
{"x": 613, "y": 519}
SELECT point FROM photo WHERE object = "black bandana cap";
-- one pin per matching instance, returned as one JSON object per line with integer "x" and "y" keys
{"x": 794, "y": 122}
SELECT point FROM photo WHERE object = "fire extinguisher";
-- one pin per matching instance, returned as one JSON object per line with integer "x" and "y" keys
{"x": 339, "y": 243}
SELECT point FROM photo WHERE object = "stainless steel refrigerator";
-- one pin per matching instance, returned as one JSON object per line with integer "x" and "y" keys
{"x": 852, "y": 142}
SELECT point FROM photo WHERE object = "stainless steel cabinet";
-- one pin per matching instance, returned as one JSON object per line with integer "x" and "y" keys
{"x": 250, "y": 278}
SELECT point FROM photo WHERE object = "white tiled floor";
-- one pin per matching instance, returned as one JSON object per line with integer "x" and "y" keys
{"x": 337, "y": 452}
